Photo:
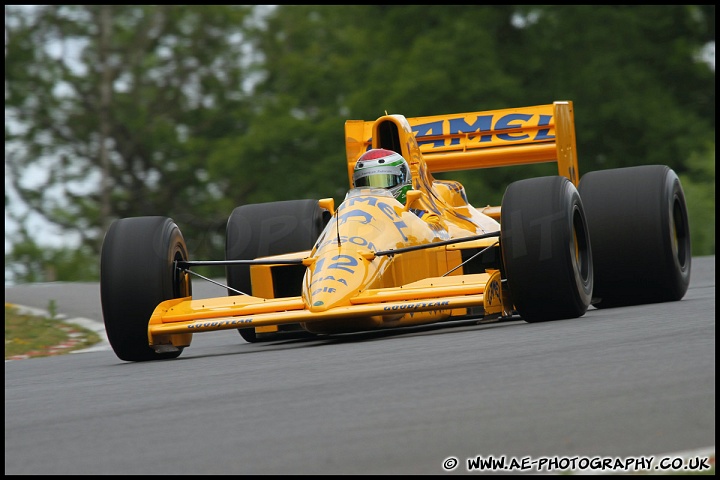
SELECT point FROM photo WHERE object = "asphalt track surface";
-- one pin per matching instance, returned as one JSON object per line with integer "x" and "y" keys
{"x": 624, "y": 383}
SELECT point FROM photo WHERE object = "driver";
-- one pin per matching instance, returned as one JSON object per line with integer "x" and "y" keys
{"x": 381, "y": 168}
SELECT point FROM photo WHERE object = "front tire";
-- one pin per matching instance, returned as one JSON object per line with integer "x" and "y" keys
{"x": 640, "y": 233}
{"x": 137, "y": 272}
{"x": 272, "y": 228}
{"x": 546, "y": 249}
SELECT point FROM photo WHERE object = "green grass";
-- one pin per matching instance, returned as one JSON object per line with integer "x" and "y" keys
{"x": 28, "y": 336}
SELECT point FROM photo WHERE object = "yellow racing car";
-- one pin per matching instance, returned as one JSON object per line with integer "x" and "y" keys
{"x": 405, "y": 249}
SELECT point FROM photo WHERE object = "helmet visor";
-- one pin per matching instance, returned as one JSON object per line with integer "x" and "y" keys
{"x": 378, "y": 180}
{"x": 383, "y": 176}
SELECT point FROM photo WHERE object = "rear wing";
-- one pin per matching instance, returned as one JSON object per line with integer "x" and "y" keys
{"x": 466, "y": 141}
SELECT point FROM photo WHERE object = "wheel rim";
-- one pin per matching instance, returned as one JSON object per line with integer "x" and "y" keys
{"x": 181, "y": 279}
{"x": 679, "y": 233}
{"x": 581, "y": 250}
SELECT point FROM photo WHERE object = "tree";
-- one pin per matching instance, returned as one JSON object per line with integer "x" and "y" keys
{"x": 120, "y": 110}
{"x": 641, "y": 94}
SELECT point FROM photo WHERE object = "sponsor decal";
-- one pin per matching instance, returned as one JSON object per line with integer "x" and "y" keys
{"x": 486, "y": 129}
{"x": 219, "y": 323}
{"x": 355, "y": 240}
{"x": 329, "y": 278}
{"x": 323, "y": 290}
{"x": 385, "y": 208}
{"x": 416, "y": 306}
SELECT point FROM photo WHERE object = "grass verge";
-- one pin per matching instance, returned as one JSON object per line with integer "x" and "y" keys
{"x": 29, "y": 336}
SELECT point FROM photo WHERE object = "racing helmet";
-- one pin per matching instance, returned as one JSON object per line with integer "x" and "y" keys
{"x": 381, "y": 168}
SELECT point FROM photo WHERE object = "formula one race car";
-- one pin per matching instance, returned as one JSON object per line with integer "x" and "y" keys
{"x": 555, "y": 246}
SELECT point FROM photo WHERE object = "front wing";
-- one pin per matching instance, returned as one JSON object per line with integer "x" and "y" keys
{"x": 173, "y": 320}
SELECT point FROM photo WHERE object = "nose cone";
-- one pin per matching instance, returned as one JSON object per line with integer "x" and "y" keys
{"x": 335, "y": 278}
{"x": 367, "y": 221}
{"x": 331, "y": 282}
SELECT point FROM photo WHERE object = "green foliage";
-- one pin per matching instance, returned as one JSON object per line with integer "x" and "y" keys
{"x": 699, "y": 187}
{"x": 189, "y": 111}
{"x": 52, "y": 309}
{"x": 29, "y": 262}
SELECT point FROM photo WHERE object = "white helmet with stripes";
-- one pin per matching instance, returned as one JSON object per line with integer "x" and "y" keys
{"x": 381, "y": 168}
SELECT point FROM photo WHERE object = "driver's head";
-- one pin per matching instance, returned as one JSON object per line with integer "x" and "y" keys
{"x": 381, "y": 168}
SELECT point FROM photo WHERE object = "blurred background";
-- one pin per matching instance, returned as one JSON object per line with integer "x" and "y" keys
{"x": 114, "y": 111}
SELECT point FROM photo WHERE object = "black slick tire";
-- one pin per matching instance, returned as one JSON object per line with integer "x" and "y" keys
{"x": 638, "y": 221}
{"x": 546, "y": 249}
{"x": 137, "y": 272}
{"x": 273, "y": 228}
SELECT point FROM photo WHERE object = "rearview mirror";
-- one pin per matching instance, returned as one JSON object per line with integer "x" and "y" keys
{"x": 412, "y": 197}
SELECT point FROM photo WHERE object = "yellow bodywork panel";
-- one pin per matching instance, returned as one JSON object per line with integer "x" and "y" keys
{"x": 427, "y": 288}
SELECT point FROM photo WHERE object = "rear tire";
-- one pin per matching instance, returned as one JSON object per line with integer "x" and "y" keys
{"x": 137, "y": 272}
{"x": 546, "y": 249}
{"x": 272, "y": 228}
{"x": 638, "y": 220}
